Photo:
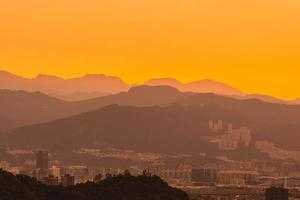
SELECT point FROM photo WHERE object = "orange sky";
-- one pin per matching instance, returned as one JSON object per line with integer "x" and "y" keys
{"x": 251, "y": 44}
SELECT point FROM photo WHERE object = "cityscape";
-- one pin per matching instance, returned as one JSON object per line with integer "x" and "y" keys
{"x": 149, "y": 100}
{"x": 222, "y": 178}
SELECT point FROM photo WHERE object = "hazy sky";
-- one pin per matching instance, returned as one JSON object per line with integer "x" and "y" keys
{"x": 251, "y": 44}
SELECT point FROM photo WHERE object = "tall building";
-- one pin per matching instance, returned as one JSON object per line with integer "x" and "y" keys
{"x": 42, "y": 159}
{"x": 275, "y": 193}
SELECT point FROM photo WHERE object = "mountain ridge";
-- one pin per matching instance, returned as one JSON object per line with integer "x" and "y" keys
{"x": 59, "y": 87}
{"x": 20, "y": 108}
{"x": 96, "y": 85}
{"x": 100, "y": 83}
{"x": 181, "y": 121}
{"x": 202, "y": 86}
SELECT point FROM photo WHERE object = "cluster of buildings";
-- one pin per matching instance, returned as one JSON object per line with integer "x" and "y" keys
{"x": 174, "y": 176}
{"x": 229, "y": 138}
{"x": 50, "y": 175}
{"x": 220, "y": 179}
{"x": 222, "y": 172}
{"x": 58, "y": 175}
{"x": 207, "y": 176}
{"x": 272, "y": 193}
{"x": 228, "y": 181}
{"x": 125, "y": 154}
{"x": 53, "y": 173}
{"x": 254, "y": 173}
{"x": 215, "y": 126}
{"x": 276, "y": 152}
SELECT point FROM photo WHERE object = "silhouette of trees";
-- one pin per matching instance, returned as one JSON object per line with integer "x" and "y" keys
{"x": 113, "y": 187}
{"x": 98, "y": 178}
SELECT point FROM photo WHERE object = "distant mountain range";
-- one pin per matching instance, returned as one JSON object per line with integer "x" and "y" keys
{"x": 162, "y": 116}
{"x": 147, "y": 119}
{"x": 173, "y": 129}
{"x": 202, "y": 86}
{"x": 269, "y": 99}
{"x": 19, "y": 108}
{"x": 66, "y": 89}
{"x": 97, "y": 85}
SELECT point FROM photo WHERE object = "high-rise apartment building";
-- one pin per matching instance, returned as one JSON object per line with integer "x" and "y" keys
{"x": 42, "y": 159}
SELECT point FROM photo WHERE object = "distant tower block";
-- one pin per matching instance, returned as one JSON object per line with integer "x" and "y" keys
{"x": 42, "y": 160}
{"x": 220, "y": 125}
{"x": 211, "y": 124}
{"x": 230, "y": 128}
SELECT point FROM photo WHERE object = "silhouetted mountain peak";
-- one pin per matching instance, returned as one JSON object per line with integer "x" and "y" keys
{"x": 101, "y": 77}
{"x": 59, "y": 87}
{"x": 164, "y": 81}
{"x": 94, "y": 76}
{"x": 90, "y": 85}
{"x": 36, "y": 107}
{"x": 202, "y": 86}
{"x": 208, "y": 81}
{"x": 153, "y": 89}
{"x": 295, "y": 101}
{"x": 211, "y": 86}
{"x": 41, "y": 77}
{"x": 5, "y": 74}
